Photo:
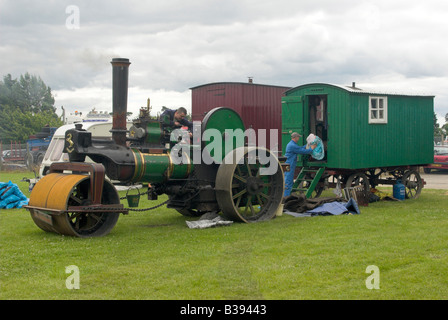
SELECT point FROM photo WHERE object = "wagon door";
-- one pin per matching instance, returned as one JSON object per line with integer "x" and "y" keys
{"x": 292, "y": 119}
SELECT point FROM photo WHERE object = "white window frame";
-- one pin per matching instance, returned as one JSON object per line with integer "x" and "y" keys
{"x": 377, "y": 109}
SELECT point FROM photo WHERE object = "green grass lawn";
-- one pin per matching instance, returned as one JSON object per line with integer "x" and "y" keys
{"x": 154, "y": 255}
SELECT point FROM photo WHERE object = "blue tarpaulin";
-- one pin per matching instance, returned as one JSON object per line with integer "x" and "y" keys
{"x": 333, "y": 208}
{"x": 330, "y": 208}
{"x": 11, "y": 196}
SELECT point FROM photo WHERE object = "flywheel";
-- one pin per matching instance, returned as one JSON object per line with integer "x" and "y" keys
{"x": 249, "y": 185}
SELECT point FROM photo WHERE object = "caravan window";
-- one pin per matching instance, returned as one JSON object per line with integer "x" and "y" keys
{"x": 377, "y": 109}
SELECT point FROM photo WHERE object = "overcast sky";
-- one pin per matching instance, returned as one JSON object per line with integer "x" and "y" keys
{"x": 174, "y": 45}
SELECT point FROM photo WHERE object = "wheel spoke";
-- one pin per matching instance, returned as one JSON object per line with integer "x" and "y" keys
{"x": 252, "y": 210}
{"x": 264, "y": 196}
{"x": 238, "y": 177}
{"x": 237, "y": 205}
{"x": 249, "y": 171}
{"x": 239, "y": 194}
{"x": 77, "y": 222}
{"x": 260, "y": 203}
{"x": 258, "y": 172}
{"x": 75, "y": 216}
{"x": 238, "y": 169}
{"x": 75, "y": 199}
{"x": 267, "y": 184}
{"x": 247, "y": 204}
{"x": 95, "y": 217}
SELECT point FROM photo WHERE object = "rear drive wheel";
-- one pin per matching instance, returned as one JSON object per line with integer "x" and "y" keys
{"x": 249, "y": 189}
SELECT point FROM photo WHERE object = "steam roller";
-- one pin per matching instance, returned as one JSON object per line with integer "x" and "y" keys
{"x": 211, "y": 168}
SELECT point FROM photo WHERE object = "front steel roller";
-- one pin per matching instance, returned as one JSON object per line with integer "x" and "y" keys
{"x": 62, "y": 203}
{"x": 249, "y": 185}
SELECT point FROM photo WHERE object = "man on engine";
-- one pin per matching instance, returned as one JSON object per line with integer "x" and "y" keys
{"x": 176, "y": 118}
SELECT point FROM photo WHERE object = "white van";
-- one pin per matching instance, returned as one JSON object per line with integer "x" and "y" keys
{"x": 54, "y": 152}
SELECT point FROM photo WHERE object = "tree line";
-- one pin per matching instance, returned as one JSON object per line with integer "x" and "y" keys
{"x": 26, "y": 105}
{"x": 440, "y": 130}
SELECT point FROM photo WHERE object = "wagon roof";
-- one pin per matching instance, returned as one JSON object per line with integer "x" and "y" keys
{"x": 355, "y": 89}
{"x": 239, "y": 83}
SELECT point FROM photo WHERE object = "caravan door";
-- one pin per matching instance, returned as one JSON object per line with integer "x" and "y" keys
{"x": 292, "y": 119}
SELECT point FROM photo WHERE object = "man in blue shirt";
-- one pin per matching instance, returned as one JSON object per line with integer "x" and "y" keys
{"x": 292, "y": 150}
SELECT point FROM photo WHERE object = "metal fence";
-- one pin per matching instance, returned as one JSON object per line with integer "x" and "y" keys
{"x": 13, "y": 153}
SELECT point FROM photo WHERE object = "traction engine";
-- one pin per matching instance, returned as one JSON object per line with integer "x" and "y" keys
{"x": 214, "y": 171}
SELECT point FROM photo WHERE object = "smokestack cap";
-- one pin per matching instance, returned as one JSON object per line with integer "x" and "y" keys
{"x": 120, "y": 61}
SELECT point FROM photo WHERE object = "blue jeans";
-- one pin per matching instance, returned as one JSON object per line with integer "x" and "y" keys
{"x": 289, "y": 179}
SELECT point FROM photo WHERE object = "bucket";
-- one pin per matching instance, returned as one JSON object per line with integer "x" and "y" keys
{"x": 133, "y": 199}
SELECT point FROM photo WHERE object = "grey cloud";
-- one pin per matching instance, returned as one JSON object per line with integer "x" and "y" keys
{"x": 174, "y": 45}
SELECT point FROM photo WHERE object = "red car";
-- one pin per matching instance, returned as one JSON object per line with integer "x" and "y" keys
{"x": 440, "y": 159}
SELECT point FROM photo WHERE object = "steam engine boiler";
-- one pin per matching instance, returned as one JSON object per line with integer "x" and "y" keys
{"x": 219, "y": 174}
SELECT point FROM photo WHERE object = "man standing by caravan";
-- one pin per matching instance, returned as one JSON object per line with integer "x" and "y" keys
{"x": 292, "y": 150}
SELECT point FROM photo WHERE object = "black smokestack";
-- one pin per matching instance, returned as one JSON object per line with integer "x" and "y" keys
{"x": 120, "y": 77}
